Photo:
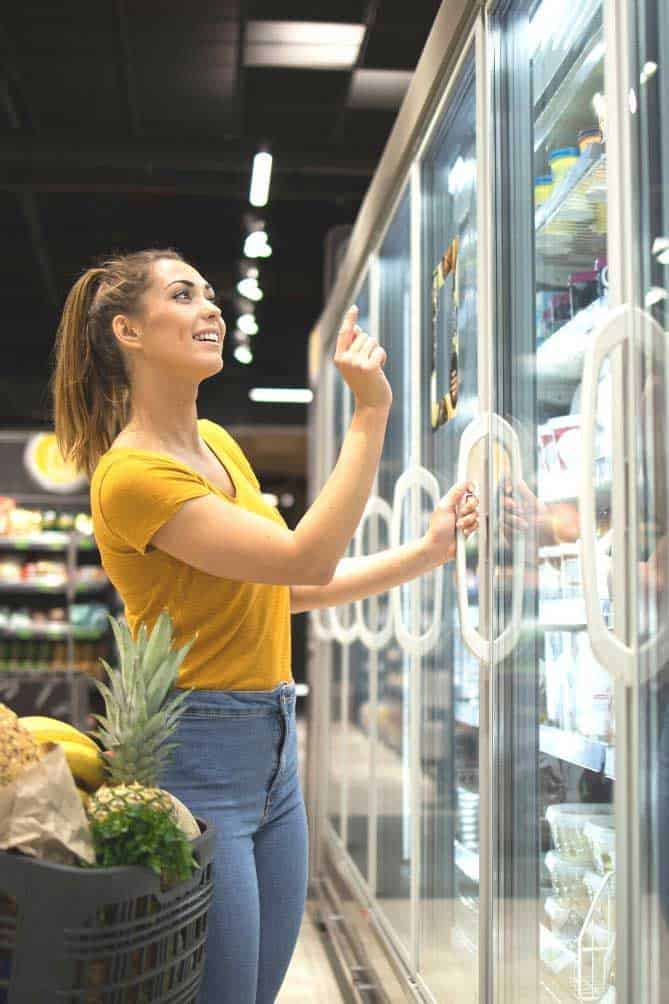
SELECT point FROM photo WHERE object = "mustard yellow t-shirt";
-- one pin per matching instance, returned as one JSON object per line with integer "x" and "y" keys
{"x": 244, "y": 627}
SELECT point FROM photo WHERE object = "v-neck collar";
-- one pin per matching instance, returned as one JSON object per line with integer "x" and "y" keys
{"x": 175, "y": 460}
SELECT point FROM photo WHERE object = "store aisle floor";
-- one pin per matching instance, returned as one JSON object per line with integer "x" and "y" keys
{"x": 310, "y": 977}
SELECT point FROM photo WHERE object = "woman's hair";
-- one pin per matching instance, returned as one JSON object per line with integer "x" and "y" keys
{"x": 90, "y": 384}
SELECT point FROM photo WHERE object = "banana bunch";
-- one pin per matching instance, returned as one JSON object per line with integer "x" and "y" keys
{"x": 82, "y": 754}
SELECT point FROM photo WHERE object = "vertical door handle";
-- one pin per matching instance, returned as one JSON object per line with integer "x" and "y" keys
{"x": 373, "y": 638}
{"x": 413, "y": 479}
{"x": 321, "y": 631}
{"x": 477, "y": 431}
{"x": 501, "y": 432}
{"x": 611, "y": 651}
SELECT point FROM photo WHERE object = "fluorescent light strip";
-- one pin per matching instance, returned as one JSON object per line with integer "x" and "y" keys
{"x": 260, "y": 179}
{"x": 281, "y": 395}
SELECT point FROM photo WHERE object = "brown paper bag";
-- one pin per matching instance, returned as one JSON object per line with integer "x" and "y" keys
{"x": 41, "y": 813}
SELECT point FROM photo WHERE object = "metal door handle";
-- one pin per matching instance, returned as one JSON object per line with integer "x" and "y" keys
{"x": 416, "y": 644}
{"x": 613, "y": 654}
{"x": 501, "y": 647}
{"x": 373, "y": 638}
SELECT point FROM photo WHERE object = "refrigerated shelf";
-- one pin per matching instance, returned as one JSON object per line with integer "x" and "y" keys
{"x": 467, "y": 861}
{"x": 569, "y": 214}
{"x": 560, "y": 357}
{"x": 47, "y": 540}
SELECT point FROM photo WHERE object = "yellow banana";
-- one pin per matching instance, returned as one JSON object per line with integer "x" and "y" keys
{"x": 52, "y": 730}
{"x": 86, "y": 766}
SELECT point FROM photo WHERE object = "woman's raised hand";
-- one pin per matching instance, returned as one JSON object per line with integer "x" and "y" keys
{"x": 457, "y": 510}
{"x": 360, "y": 360}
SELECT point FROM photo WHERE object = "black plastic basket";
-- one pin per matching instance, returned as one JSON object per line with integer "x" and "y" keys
{"x": 104, "y": 935}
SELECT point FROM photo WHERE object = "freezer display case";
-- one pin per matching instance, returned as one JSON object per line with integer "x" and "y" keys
{"x": 557, "y": 820}
{"x": 498, "y": 782}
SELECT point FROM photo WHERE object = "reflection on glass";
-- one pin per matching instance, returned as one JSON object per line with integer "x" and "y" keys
{"x": 450, "y": 676}
{"x": 356, "y": 667}
{"x": 392, "y": 750}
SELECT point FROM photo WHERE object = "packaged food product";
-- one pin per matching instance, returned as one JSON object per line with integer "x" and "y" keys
{"x": 561, "y": 161}
{"x": 567, "y": 881}
{"x": 594, "y": 711}
{"x": 588, "y": 138}
{"x": 601, "y": 836}
{"x": 568, "y": 822}
{"x": 605, "y": 910}
{"x": 543, "y": 186}
{"x": 583, "y": 289}
{"x": 567, "y": 432}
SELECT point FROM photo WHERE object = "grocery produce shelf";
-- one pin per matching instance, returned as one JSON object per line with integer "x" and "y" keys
{"x": 61, "y": 587}
{"x": 48, "y": 540}
{"x": 55, "y": 633}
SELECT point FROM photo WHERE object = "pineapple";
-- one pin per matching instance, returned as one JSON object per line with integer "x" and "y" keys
{"x": 139, "y": 719}
{"x": 18, "y": 749}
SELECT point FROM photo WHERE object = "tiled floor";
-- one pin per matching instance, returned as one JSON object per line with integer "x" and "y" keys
{"x": 309, "y": 977}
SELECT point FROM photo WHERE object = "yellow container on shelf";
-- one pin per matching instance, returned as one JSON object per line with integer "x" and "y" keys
{"x": 543, "y": 186}
{"x": 587, "y": 137}
{"x": 561, "y": 161}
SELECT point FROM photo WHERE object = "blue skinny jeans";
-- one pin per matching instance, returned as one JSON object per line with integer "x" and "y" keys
{"x": 236, "y": 767}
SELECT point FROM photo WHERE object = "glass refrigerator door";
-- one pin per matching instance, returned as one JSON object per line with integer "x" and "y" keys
{"x": 649, "y": 121}
{"x": 392, "y": 749}
{"x": 449, "y": 792}
{"x": 554, "y": 700}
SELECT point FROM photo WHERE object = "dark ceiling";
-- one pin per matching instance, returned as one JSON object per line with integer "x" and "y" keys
{"x": 134, "y": 124}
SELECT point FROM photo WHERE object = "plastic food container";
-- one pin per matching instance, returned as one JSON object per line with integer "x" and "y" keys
{"x": 543, "y": 186}
{"x": 605, "y": 911}
{"x": 588, "y": 137}
{"x": 566, "y": 924}
{"x": 601, "y": 836}
{"x": 561, "y": 161}
{"x": 567, "y": 881}
{"x": 568, "y": 823}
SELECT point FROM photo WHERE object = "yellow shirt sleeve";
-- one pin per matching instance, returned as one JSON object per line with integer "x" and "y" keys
{"x": 139, "y": 495}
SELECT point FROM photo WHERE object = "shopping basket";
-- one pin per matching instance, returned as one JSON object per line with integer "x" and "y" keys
{"x": 102, "y": 935}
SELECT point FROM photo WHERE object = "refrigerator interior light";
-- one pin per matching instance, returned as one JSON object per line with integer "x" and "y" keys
{"x": 243, "y": 354}
{"x": 260, "y": 179}
{"x": 661, "y": 249}
{"x": 281, "y": 395}
{"x": 655, "y": 294}
{"x": 247, "y": 324}
{"x": 648, "y": 70}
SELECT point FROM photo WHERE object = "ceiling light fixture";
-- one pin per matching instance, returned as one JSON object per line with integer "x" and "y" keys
{"x": 247, "y": 324}
{"x": 256, "y": 245}
{"x": 281, "y": 395}
{"x": 260, "y": 179}
{"x": 243, "y": 355}
{"x": 249, "y": 288}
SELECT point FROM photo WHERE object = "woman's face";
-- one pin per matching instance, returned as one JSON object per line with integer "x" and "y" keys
{"x": 178, "y": 319}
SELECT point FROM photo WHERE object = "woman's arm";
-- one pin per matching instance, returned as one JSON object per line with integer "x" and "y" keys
{"x": 358, "y": 578}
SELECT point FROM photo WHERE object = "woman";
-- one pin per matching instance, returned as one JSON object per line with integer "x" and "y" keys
{"x": 181, "y": 523}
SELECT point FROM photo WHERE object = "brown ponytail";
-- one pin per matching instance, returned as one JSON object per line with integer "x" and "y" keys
{"x": 90, "y": 384}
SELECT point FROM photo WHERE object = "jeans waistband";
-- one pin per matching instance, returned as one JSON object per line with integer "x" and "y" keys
{"x": 281, "y": 695}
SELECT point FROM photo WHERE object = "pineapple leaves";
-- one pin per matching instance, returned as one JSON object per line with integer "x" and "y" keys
{"x": 141, "y": 713}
